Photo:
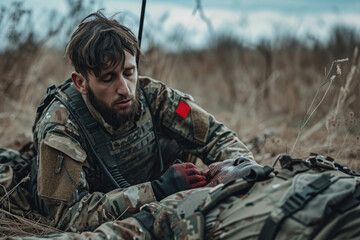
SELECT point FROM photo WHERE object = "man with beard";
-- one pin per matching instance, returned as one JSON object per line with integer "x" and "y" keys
{"x": 107, "y": 139}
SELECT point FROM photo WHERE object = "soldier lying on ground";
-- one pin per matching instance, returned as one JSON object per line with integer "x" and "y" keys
{"x": 106, "y": 139}
{"x": 312, "y": 199}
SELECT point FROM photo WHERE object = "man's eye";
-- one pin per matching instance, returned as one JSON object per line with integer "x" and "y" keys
{"x": 107, "y": 78}
{"x": 129, "y": 72}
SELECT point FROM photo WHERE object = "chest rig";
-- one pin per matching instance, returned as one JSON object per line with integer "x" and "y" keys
{"x": 133, "y": 156}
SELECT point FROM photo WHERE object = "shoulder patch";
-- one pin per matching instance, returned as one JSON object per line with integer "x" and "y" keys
{"x": 183, "y": 109}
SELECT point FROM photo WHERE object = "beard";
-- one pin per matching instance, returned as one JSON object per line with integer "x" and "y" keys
{"x": 113, "y": 117}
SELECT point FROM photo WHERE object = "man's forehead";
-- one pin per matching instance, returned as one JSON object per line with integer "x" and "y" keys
{"x": 130, "y": 62}
{"x": 123, "y": 60}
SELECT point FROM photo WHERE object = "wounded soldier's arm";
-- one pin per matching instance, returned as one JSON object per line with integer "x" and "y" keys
{"x": 63, "y": 187}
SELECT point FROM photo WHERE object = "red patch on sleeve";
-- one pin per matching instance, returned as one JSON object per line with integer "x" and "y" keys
{"x": 183, "y": 109}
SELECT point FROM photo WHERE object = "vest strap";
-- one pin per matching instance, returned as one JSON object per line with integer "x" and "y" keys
{"x": 293, "y": 204}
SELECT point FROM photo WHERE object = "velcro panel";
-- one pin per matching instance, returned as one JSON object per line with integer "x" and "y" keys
{"x": 57, "y": 186}
{"x": 200, "y": 123}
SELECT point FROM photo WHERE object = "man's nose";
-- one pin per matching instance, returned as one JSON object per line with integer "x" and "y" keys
{"x": 122, "y": 86}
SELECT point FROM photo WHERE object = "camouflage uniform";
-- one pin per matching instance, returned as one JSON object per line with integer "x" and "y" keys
{"x": 71, "y": 183}
{"x": 239, "y": 210}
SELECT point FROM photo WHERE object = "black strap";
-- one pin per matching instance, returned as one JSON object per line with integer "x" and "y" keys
{"x": 346, "y": 170}
{"x": 293, "y": 204}
{"x": 98, "y": 140}
{"x": 258, "y": 174}
{"x": 146, "y": 218}
{"x": 50, "y": 91}
{"x": 142, "y": 17}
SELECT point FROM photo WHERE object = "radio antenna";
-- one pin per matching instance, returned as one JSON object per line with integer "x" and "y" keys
{"x": 141, "y": 26}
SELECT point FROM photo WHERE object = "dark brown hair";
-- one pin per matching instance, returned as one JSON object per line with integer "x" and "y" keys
{"x": 99, "y": 43}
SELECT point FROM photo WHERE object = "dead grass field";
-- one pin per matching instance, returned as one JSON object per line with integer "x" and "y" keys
{"x": 265, "y": 93}
{"x": 264, "y": 102}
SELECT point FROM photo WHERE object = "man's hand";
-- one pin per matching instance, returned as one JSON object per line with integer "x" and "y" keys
{"x": 225, "y": 171}
{"x": 177, "y": 178}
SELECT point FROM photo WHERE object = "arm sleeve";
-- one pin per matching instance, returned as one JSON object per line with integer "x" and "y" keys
{"x": 197, "y": 131}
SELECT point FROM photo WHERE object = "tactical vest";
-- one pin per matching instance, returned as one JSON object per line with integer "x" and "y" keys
{"x": 133, "y": 156}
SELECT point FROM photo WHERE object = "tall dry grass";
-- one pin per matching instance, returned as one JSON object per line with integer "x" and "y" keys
{"x": 264, "y": 92}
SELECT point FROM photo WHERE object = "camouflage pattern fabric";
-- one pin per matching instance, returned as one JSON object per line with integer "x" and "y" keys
{"x": 71, "y": 183}
{"x": 242, "y": 213}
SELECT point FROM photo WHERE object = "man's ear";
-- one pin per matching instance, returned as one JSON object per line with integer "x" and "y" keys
{"x": 79, "y": 82}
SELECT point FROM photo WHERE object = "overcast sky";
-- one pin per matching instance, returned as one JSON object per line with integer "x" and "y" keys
{"x": 250, "y": 20}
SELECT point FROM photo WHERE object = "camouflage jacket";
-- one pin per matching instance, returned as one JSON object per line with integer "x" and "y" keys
{"x": 72, "y": 185}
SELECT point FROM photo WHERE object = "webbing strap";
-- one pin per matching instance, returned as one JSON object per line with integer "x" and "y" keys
{"x": 293, "y": 204}
{"x": 98, "y": 139}
{"x": 50, "y": 91}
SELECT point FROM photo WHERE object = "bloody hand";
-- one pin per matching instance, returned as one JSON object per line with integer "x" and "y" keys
{"x": 177, "y": 178}
{"x": 231, "y": 169}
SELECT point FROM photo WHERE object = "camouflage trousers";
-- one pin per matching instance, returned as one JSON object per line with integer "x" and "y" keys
{"x": 239, "y": 211}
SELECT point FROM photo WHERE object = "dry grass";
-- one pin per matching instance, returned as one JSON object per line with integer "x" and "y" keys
{"x": 263, "y": 93}
{"x": 230, "y": 81}
{"x": 267, "y": 112}
{"x": 15, "y": 225}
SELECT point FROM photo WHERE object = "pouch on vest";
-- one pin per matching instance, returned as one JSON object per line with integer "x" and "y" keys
{"x": 59, "y": 170}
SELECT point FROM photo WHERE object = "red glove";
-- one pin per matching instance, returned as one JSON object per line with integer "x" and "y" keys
{"x": 177, "y": 178}
{"x": 225, "y": 171}
{"x": 190, "y": 175}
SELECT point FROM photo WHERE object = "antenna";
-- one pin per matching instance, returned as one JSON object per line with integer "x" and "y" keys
{"x": 142, "y": 16}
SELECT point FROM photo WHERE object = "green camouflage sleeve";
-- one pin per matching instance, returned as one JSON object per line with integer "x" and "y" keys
{"x": 197, "y": 131}
{"x": 62, "y": 183}
{"x": 88, "y": 212}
